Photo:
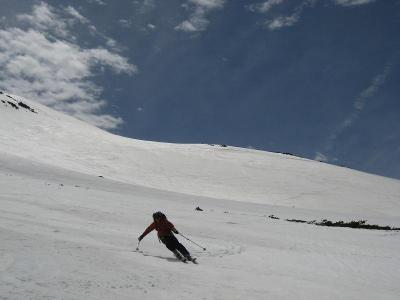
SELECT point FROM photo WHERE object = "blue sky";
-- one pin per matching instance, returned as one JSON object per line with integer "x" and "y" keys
{"x": 316, "y": 78}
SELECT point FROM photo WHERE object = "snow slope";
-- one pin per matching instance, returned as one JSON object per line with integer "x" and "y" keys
{"x": 211, "y": 171}
{"x": 67, "y": 233}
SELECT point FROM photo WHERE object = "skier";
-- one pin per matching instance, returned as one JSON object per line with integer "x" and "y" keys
{"x": 164, "y": 231}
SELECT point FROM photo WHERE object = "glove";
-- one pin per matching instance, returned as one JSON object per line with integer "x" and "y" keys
{"x": 140, "y": 238}
{"x": 176, "y": 231}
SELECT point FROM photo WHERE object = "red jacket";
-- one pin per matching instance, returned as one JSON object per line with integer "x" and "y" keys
{"x": 163, "y": 227}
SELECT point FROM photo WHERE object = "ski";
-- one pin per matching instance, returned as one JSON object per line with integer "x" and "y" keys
{"x": 183, "y": 259}
{"x": 180, "y": 257}
{"x": 193, "y": 260}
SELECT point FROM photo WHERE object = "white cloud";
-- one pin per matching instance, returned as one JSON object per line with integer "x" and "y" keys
{"x": 265, "y": 6}
{"x": 198, "y": 19}
{"x": 125, "y": 23}
{"x": 197, "y": 22}
{"x": 282, "y": 21}
{"x": 352, "y": 2}
{"x": 74, "y": 13}
{"x": 151, "y": 26}
{"x": 43, "y": 62}
{"x": 208, "y": 4}
{"x": 275, "y": 22}
{"x": 43, "y": 18}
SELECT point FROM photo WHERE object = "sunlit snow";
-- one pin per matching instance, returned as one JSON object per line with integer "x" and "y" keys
{"x": 75, "y": 198}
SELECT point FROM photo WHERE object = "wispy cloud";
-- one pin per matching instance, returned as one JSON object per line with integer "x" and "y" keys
{"x": 151, "y": 26}
{"x": 125, "y": 23}
{"x": 274, "y": 21}
{"x": 99, "y": 2}
{"x": 43, "y": 18}
{"x": 40, "y": 59}
{"x": 291, "y": 19}
{"x": 277, "y": 21}
{"x": 352, "y": 2}
{"x": 266, "y": 6}
{"x": 283, "y": 21}
{"x": 145, "y": 6}
{"x": 76, "y": 15}
{"x": 320, "y": 157}
{"x": 198, "y": 19}
{"x": 358, "y": 106}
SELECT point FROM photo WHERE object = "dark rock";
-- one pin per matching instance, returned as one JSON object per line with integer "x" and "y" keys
{"x": 296, "y": 221}
{"x": 361, "y": 224}
{"x": 354, "y": 224}
{"x": 13, "y": 104}
{"x": 287, "y": 153}
{"x": 23, "y": 105}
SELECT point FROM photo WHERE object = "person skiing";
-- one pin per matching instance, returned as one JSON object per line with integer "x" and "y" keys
{"x": 165, "y": 230}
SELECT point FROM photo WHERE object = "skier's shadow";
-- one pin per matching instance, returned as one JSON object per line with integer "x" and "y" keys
{"x": 171, "y": 259}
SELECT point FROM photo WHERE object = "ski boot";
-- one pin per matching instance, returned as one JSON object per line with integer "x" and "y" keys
{"x": 189, "y": 258}
{"x": 179, "y": 256}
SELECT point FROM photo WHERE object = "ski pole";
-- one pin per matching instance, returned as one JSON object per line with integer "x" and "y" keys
{"x": 193, "y": 242}
{"x": 137, "y": 248}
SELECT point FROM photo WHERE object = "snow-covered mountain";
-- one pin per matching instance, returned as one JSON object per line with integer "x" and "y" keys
{"x": 74, "y": 198}
{"x": 43, "y": 135}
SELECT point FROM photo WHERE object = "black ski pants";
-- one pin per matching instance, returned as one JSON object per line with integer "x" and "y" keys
{"x": 173, "y": 244}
